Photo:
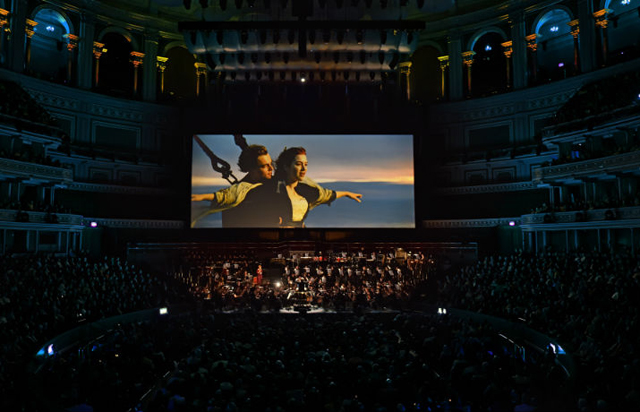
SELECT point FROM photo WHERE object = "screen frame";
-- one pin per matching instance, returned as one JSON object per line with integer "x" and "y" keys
{"x": 249, "y": 133}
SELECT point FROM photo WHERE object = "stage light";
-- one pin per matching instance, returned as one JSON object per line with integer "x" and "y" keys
{"x": 277, "y": 284}
{"x": 561, "y": 64}
{"x": 50, "y": 350}
{"x": 556, "y": 349}
{"x": 512, "y": 223}
{"x": 93, "y": 224}
{"x": 163, "y": 311}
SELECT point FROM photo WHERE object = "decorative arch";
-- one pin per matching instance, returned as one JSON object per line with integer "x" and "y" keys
{"x": 623, "y": 31}
{"x": 123, "y": 32}
{"x": 477, "y": 35}
{"x": 59, "y": 15}
{"x": 422, "y": 42}
{"x": 426, "y": 75}
{"x": 180, "y": 74}
{"x": 555, "y": 54}
{"x": 50, "y": 56}
{"x": 548, "y": 15}
{"x": 117, "y": 75}
{"x": 172, "y": 45}
{"x": 488, "y": 69}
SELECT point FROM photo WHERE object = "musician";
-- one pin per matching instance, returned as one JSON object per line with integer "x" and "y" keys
{"x": 239, "y": 202}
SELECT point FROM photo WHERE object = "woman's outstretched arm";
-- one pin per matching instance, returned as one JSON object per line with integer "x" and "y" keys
{"x": 355, "y": 196}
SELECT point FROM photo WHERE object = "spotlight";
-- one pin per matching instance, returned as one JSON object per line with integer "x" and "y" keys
{"x": 93, "y": 224}
{"x": 512, "y": 223}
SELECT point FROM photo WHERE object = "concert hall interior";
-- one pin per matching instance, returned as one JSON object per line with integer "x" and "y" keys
{"x": 466, "y": 237}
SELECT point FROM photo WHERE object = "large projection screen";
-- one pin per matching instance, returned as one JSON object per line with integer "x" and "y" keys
{"x": 378, "y": 166}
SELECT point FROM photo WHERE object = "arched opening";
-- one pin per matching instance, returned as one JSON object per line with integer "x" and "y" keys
{"x": 489, "y": 69}
{"x": 555, "y": 51}
{"x": 426, "y": 76}
{"x": 179, "y": 76}
{"x": 116, "y": 70}
{"x": 623, "y": 31}
{"x": 49, "y": 55}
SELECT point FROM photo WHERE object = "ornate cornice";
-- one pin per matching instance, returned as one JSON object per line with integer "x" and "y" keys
{"x": 116, "y": 112}
{"x": 39, "y": 218}
{"x": 618, "y": 217}
{"x": 117, "y": 189}
{"x": 490, "y": 112}
{"x": 53, "y": 100}
{"x": 27, "y": 170}
{"x": 469, "y": 223}
{"x": 491, "y": 188}
{"x": 586, "y": 168}
{"x": 550, "y": 101}
{"x": 135, "y": 223}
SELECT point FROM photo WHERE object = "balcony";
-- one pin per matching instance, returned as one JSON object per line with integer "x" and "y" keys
{"x": 609, "y": 165}
{"x": 28, "y": 171}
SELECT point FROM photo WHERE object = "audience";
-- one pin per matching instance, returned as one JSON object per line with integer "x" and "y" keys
{"x": 594, "y": 103}
{"x": 236, "y": 351}
{"x": 43, "y": 296}
{"x": 588, "y": 301}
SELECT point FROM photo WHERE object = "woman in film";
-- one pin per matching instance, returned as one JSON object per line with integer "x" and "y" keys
{"x": 294, "y": 195}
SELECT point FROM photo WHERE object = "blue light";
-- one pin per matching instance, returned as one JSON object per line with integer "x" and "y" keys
{"x": 561, "y": 64}
{"x": 554, "y": 29}
{"x": 487, "y": 48}
{"x": 50, "y": 28}
{"x": 625, "y": 2}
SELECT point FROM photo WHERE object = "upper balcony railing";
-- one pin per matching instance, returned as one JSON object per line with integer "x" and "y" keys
{"x": 588, "y": 168}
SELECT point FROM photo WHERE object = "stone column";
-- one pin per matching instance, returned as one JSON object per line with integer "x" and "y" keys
{"x": 601, "y": 21}
{"x": 72, "y": 43}
{"x": 161, "y": 65}
{"x": 16, "y": 43}
{"x": 405, "y": 71}
{"x": 444, "y": 64}
{"x": 508, "y": 51}
{"x": 587, "y": 36}
{"x": 575, "y": 32}
{"x": 30, "y": 32}
{"x": 86, "y": 52}
{"x": 150, "y": 70}
{"x": 467, "y": 59}
{"x": 136, "y": 59}
{"x": 520, "y": 73}
{"x": 98, "y": 49}
{"x": 201, "y": 75}
{"x": 532, "y": 45}
{"x": 455, "y": 66}
{"x": 4, "y": 27}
